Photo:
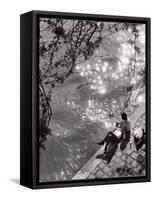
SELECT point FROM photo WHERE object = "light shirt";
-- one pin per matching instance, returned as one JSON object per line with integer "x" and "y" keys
{"x": 138, "y": 133}
{"x": 126, "y": 125}
{"x": 117, "y": 132}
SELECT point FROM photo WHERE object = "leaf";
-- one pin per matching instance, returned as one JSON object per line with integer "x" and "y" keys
{"x": 137, "y": 49}
{"x": 130, "y": 41}
{"x": 59, "y": 31}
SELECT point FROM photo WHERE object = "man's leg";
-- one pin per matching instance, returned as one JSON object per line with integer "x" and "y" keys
{"x": 101, "y": 143}
{"x": 106, "y": 139}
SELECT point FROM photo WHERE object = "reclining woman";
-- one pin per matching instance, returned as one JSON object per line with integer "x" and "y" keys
{"x": 111, "y": 142}
{"x": 139, "y": 138}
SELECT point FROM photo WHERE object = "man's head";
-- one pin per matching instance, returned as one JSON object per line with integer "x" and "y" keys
{"x": 123, "y": 116}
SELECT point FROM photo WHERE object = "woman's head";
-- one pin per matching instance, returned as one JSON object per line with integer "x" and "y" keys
{"x": 118, "y": 125}
{"x": 124, "y": 116}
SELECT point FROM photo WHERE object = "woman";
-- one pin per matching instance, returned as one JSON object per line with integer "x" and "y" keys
{"x": 139, "y": 138}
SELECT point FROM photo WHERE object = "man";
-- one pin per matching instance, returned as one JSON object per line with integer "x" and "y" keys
{"x": 126, "y": 126}
{"x": 112, "y": 140}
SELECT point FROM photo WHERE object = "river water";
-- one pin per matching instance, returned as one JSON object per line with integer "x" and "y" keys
{"x": 74, "y": 134}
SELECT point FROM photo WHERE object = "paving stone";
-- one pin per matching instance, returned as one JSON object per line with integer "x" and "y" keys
{"x": 95, "y": 171}
{"x": 128, "y": 151}
{"x": 119, "y": 154}
{"x": 114, "y": 159}
{"x": 106, "y": 170}
{"x": 99, "y": 174}
{"x": 102, "y": 165}
{"x": 143, "y": 117}
{"x": 133, "y": 148}
{"x": 129, "y": 160}
{"x": 138, "y": 168}
{"x": 134, "y": 163}
{"x": 109, "y": 173}
{"x": 129, "y": 166}
{"x": 138, "y": 124}
{"x": 118, "y": 160}
{"x": 134, "y": 155}
{"x": 115, "y": 174}
{"x": 106, "y": 176}
{"x": 112, "y": 164}
{"x": 136, "y": 171}
{"x": 122, "y": 163}
{"x": 91, "y": 176}
{"x": 144, "y": 173}
{"x": 123, "y": 157}
{"x": 142, "y": 153}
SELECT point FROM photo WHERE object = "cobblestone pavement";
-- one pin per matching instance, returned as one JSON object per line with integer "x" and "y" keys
{"x": 123, "y": 164}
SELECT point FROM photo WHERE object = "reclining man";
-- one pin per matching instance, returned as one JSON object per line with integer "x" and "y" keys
{"x": 121, "y": 134}
{"x": 111, "y": 142}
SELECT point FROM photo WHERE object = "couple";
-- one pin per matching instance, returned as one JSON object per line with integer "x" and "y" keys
{"x": 120, "y": 134}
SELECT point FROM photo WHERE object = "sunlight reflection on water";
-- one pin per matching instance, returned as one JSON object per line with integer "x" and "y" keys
{"x": 83, "y": 118}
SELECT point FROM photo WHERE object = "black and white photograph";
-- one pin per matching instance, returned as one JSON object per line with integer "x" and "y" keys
{"x": 92, "y": 99}
{"x": 76, "y": 101}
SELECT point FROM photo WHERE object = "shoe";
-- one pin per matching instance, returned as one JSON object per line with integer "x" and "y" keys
{"x": 99, "y": 157}
{"x": 100, "y": 143}
{"x": 105, "y": 152}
